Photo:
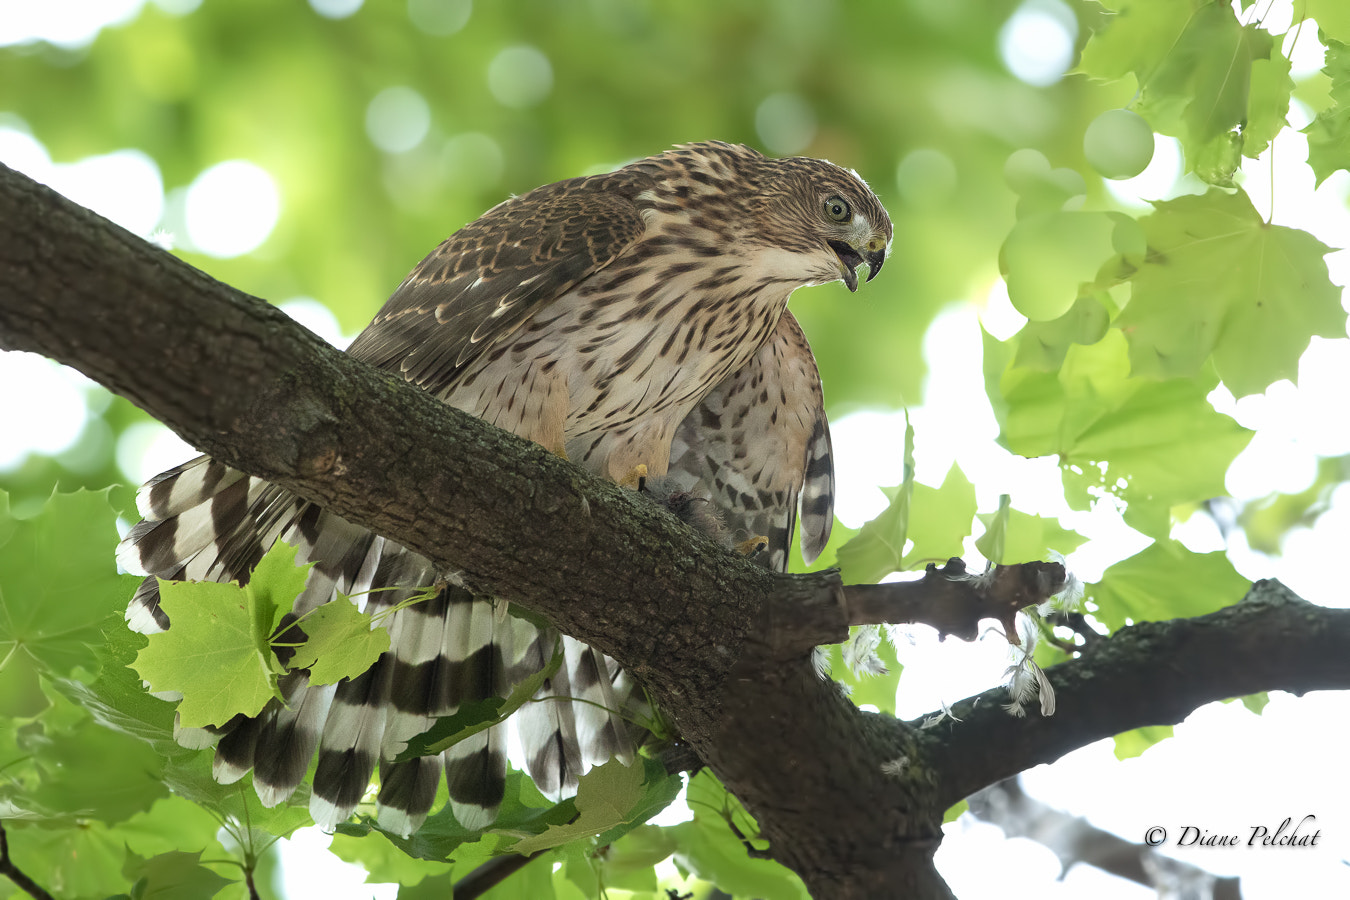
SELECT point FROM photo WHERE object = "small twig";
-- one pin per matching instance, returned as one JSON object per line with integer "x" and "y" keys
{"x": 1078, "y": 624}
{"x": 11, "y": 871}
{"x": 750, "y": 849}
{"x": 489, "y": 875}
{"x": 248, "y": 880}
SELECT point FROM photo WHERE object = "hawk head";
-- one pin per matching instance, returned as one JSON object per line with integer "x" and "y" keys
{"x": 799, "y": 220}
{"x": 828, "y": 218}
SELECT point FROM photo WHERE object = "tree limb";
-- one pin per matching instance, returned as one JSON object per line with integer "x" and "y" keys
{"x": 852, "y": 801}
{"x": 1152, "y": 673}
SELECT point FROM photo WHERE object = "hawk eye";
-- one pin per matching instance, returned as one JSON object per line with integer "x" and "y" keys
{"x": 837, "y": 209}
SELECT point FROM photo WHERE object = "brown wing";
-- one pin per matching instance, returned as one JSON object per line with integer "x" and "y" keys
{"x": 760, "y": 442}
{"x": 489, "y": 277}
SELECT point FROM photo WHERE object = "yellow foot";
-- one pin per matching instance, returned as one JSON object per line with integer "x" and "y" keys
{"x": 753, "y": 545}
{"x": 637, "y": 478}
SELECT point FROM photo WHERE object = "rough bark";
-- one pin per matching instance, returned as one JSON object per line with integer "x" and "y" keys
{"x": 719, "y": 641}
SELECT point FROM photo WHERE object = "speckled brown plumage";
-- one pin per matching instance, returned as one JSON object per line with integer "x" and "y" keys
{"x": 630, "y": 318}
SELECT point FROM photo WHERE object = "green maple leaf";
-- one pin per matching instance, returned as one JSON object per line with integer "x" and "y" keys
{"x": 940, "y": 519}
{"x": 172, "y": 876}
{"x": 1333, "y": 17}
{"x": 1012, "y": 536}
{"x": 1042, "y": 345}
{"x": 341, "y": 642}
{"x": 606, "y": 797}
{"x": 1153, "y": 444}
{"x": 1219, "y": 281}
{"x": 1165, "y": 581}
{"x": 1193, "y": 62}
{"x": 1267, "y": 102}
{"x": 217, "y": 653}
{"x": 58, "y": 584}
{"x": 1329, "y": 134}
{"x": 877, "y": 549}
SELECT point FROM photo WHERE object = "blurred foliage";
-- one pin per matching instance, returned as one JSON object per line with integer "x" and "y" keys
{"x": 1133, "y": 320}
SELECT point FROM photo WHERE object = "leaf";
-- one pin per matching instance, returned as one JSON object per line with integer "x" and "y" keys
{"x": 218, "y": 653}
{"x": 1166, "y": 581}
{"x": 1333, "y": 18}
{"x": 1048, "y": 257}
{"x": 1329, "y": 133}
{"x": 272, "y": 588}
{"x": 340, "y": 643}
{"x": 708, "y": 849}
{"x": 1042, "y": 345}
{"x": 629, "y": 862}
{"x": 523, "y": 811}
{"x": 246, "y": 819}
{"x": 118, "y": 701}
{"x": 1267, "y": 103}
{"x": 606, "y": 797}
{"x": 1256, "y": 702}
{"x": 940, "y": 519}
{"x": 659, "y": 790}
{"x": 1220, "y": 281}
{"x": 210, "y": 655}
{"x": 876, "y": 550}
{"x": 1024, "y": 537}
{"x": 1133, "y": 743}
{"x": 83, "y": 861}
{"x": 91, "y": 772}
{"x": 58, "y": 583}
{"x": 1193, "y": 63}
{"x": 173, "y": 876}
{"x": 1115, "y": 435}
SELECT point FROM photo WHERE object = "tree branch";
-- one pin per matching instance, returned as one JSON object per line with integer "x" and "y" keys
{"x": 719, "y": 641}
{"x": 1153, "y": 673}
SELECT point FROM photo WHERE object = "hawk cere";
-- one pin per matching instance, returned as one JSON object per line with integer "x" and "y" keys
{"x": 627, "y": 320}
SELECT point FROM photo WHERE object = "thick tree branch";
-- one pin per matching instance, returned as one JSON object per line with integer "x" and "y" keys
{"x": 1153, "y": 673}
{"x": 851, "y": 800}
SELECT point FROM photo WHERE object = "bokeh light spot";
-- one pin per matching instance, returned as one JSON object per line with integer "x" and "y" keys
{"x": 123, "y": 186}
{"x": 42, "y": 407}
{"x": 397, "y": 119}
{"x": 785, "y": 123}
{"x": 474, "y": 158}
{"x": 520, "y": 76}
{"x": 440, "y": 17}
{"x": 335, "y": 9}
{"x": 926, "y": 177}
{"x": 231, "y": 208}
{"x": 66, "y": 23}
{"x": 1036, "y": 42}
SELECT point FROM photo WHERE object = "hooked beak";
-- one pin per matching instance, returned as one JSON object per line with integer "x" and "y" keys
{"x": 850, "y": 258}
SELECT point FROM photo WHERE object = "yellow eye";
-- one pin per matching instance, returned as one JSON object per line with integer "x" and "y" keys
{"x": 837, "y": 208}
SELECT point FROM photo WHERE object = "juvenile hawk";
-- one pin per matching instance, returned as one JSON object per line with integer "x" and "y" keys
{"x": 630, "y": 319}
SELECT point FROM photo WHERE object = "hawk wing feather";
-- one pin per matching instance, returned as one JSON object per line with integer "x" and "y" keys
{"x": 491, "y": 276}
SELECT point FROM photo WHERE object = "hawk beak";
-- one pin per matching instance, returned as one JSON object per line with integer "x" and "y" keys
{"x": 875, "y": 259}
{"x": 848, "y": 263}
{"x": 850, "y": 259}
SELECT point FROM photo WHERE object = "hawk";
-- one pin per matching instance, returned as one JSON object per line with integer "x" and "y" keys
{"x": 626, "y": 320}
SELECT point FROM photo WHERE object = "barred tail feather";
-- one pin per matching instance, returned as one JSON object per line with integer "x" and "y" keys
{"x": 817, "y": 496}
{"x": 206, "y": 521}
